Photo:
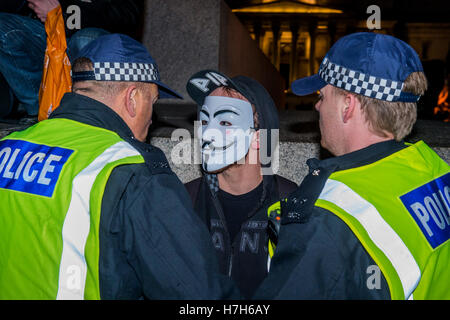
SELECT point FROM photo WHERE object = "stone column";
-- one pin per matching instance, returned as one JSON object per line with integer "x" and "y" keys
{"x": 261, "y": 40}
{"x": 257, "y": 30}
{"x": 293, "y": 63}
{"x": 275, "y": 47}
{"x": 312, "y": 48}
{"x": 332, "y": 32}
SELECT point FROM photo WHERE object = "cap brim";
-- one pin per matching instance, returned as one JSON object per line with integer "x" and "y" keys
{"x": 308, "y": 85}
{"x": 202, "y": 83}
{"x": 166, "y": 93}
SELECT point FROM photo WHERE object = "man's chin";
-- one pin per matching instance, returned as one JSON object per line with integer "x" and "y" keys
{"x": 216, "y": 171}
{"x": 235, "y": 164}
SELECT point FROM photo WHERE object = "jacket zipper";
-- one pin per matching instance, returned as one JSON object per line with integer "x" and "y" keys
{"x": 222, "y": 218}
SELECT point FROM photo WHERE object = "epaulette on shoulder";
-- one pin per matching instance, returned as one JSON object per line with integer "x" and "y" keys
{"x": 299, "y": 204}
{"x": 155, "y": 159}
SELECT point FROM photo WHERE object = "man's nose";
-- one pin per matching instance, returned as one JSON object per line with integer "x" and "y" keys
{"x": 317, "y": 105}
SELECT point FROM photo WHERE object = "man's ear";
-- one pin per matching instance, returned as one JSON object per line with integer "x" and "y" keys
{"x": 255, "y": 141}
{"x": 349, "y": 107}
{"x": 130, "y": 101}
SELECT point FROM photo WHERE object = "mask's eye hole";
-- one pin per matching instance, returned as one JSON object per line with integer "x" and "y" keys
{"x": 225, "y": 123}
{"x": 204, "y": 122}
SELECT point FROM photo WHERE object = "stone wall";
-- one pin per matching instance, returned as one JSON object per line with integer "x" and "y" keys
{"x": 292, "y": 154}
{"x": 188, "y": 36}
{"x": 239, "y": 55}
{"x": 183, "y": 38}
{"x": 292, "y": 162}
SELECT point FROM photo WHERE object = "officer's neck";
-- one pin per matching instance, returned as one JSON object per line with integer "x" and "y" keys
{"x": 362, "y": 142}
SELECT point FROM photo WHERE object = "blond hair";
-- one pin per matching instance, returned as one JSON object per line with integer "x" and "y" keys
{"x": 396, "y": 118}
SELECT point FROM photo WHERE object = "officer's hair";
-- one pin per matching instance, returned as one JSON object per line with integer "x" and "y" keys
{"x": 232, "y": 93}
{"x": 396, "y": 118}
{"x": 103, "y": 89}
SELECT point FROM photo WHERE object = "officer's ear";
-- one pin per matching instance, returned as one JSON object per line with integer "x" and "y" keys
{"x": 130, "y": 100}
{"x": 349, "y": 106}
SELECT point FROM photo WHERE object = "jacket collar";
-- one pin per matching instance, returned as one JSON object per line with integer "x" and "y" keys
{"x": 360, "y": 157}
{"x": 92, "y": 112}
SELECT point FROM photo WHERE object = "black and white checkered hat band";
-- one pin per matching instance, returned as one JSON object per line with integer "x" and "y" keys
{"x": 358, "y": 82}
{"x": 124, "y": 71}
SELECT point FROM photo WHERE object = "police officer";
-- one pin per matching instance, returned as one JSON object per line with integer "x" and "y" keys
{"x": 90, "y": 211}
{"x": 373, "y": 222}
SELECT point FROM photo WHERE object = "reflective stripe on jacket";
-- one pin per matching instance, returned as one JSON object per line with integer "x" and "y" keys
{"x": 51, "y": 188}
{"x": 398, "y": 207}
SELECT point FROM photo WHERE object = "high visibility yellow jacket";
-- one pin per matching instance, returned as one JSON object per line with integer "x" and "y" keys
{"x": 399, "y": 208}
{"x": 147, "y": 241}
{"x": 51, "y": 188}
{"x": 384, "y": 206}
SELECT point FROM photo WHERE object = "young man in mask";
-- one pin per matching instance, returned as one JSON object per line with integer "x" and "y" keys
{"x": 238, "y": 135}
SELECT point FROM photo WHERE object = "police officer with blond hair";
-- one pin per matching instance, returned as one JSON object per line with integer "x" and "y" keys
{"x": 372, "y": 222}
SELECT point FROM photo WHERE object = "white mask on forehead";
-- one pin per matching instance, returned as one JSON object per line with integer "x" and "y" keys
{"x": 226, "y": 131}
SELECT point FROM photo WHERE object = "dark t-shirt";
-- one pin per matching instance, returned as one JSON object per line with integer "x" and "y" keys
{"x": 236, "y": 208}
{"x": 243, "y": 258}
{"x": 248, "y": 271}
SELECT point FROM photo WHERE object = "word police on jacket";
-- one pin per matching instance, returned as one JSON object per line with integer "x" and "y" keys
{"x": 429, "y": 205}
{"x": 30, "y": 167}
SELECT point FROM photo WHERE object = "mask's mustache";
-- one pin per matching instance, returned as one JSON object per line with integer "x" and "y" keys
{"x": 210, "y": 145}
{"x": 205, "y": 144}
